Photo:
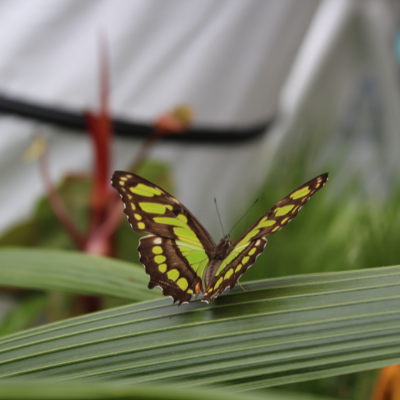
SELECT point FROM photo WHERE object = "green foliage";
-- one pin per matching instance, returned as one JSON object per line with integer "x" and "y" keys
{"x": 27, "y": 312}
{"x": 277, "y": 331}
{"x": 284, "y": 330}
{"x": 44, "y": 230}
{"x": 49, "y": 390}
{"x": 341, "y": 228}
{"x": 73, "y": 272}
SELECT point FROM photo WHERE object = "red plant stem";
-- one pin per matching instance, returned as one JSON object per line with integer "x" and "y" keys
{"x": 113, "y": 214}
{"x": 100, "y": 130}
{"x": 110, "y": 224}
{"x": 58, "y": 206}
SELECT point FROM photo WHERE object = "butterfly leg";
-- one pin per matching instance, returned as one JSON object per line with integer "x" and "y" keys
{"x": 244, "y": 290}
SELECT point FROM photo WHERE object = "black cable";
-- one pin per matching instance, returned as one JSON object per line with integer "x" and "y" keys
{"x": 76, "y": 121}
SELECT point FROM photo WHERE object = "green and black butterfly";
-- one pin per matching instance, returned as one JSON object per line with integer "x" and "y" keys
{"x": 180, "y": 256}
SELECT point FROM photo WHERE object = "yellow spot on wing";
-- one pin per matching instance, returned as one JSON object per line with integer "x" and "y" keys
{"x": 249, "y": 236}
{"x": 123, "y": 178}
{"x": 284, "y": 220}
{"x": 138, "y": 217}
{"x": 141, "y": 192}
{"x": 162, "y": 268}
{"x": 130, "y": 198}
{"x": 182, "y": 283}
{"x": 245, "y": 259}
{"x": 146, "y": 191}
{"x": 228, "y": 274}
{"x": 239, "y": 267}
{"x": 190, "y": 291}
{"x": 275, "y": 229}
{"x": 169, "y": 207}
{"x": 170, "y": 221}
{"x": 157, "y": 250}
{"x": 283, "y": 210}
{"x": 159, "y": 259}
{"x": 133, "y": 207}
{"x": 152, "y": 208}
{"x": 265, "y": 223}
{"x": 300, "y": 193}
{"x": 227, "y": 261}
{"x": 173, "y": 274}
{"x": 252, "y": 251}
{"x": 141, "y": 225}
{"x": 219, "y": 281}
{"x": 122, "y": 183}
{"x": 182, "y": 218}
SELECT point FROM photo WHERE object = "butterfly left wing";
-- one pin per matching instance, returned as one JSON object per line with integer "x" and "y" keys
{"x": 178, "y": 248}
{"x": 176, "y": 267}
{"x": 243, "y": 253}
{"x": 151, "y": 209}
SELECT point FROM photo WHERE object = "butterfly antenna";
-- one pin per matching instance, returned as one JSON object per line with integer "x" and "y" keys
{"x": 223, "y": 233}
{"x": 229, "y": 234}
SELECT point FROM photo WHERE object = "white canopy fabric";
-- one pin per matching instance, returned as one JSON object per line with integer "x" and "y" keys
{"x": 228, "y": 59}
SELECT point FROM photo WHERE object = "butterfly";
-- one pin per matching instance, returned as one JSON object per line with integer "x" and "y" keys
{"x": 179, "y": 255}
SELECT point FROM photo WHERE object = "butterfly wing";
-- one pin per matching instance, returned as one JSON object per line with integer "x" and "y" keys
{"x": 243, "y": 253}
{"x": 174, "y": 266}
{"x": 178, "y": 248}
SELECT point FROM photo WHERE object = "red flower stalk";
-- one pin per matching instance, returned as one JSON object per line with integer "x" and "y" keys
{"x": 100, "y": 130}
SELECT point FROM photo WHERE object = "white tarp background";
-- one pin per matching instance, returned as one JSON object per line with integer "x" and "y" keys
{"x": 227, "y": 59}
{"x": 236, "y": 62}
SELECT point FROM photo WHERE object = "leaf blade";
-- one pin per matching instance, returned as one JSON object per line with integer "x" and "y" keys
{"x": 280, "y": 331}
{"x": 73, "y": 272}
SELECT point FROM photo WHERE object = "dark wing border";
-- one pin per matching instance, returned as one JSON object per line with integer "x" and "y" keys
{"x": 313, "y": 186}
{"x": 161, "y": 272}
{"x": 245, "y": 259}
{"x": 178, "y": 208}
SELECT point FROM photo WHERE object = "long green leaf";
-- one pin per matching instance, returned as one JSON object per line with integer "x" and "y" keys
{"x": 44, "y": 389}
{"x": 23, "y": 315}
{"x": 73, "y": 272}
{"x": 278, "y": 331}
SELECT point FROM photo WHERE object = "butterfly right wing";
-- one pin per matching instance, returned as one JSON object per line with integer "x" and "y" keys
{"x": 282, "y": 212}
{"x": 243, "y": 253}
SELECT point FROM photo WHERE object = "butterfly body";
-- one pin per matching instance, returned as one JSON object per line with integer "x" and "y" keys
{"x": 212, "y": 267}
{"x": 179, "y": 254}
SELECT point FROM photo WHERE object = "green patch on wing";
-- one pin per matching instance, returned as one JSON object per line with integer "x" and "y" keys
{"x": 170, "y": 221}
{"x": 145, "y": 190}
{"x": 235, "y": 253}
{"x": 196, "y": 256}
{"x": 248, "y": 237}
{"x": 265, "y": 223}
{"x": 283, "y": 210}
{"x": 153, "y": 208}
